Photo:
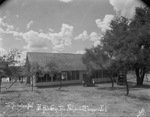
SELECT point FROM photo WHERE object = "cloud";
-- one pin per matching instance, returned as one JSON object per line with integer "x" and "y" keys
{"x": 2, "y": 51}
{"x": 29, "y": 24}
{"x": 125, "y": 7}
{"x": 51, "y": 30}
{"x": 96, "y": 43}
{"x": 63, "y": 38}
{"x": 59, "y": 47}
{"x": 84, "y": 36}
{"x": 35, "y": 40}
{"x": 42, "y": 41}
{"x": 66, "y": 1}
{"x": 96, "y": 38}
{"x": 5, "y": 25}
{"x": 104, "y": 24}
{"x": 80, "y": 52}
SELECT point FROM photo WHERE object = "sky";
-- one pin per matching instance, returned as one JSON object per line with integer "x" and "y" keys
{"x": 58, "y": 26}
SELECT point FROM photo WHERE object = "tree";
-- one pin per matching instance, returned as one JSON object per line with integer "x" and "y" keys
{"x": 11, "y": 58}
{"x": 140, "y": 26}
{"x": 97, "y": 58}
{"x": 53, "y": 69}
{"x": 126, "y": 45}
{"x": 34, "y": 68}
{"x": 109, "y": 55}
{"x": 128, "y": 41}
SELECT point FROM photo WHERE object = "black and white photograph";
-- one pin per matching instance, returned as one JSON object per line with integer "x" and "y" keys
{"x": 74, "y": 58}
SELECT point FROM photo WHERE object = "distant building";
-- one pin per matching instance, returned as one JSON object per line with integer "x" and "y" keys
{"x": 72, "y": 69}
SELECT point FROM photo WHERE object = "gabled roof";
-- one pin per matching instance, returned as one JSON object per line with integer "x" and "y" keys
{"x": 65, "y": 61}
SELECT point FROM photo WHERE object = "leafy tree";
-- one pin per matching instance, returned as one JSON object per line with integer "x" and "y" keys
{"x": 53, "y": 69}
{"x": 140, "y": 26}
{"x": 34, "y": 68}
{"x": 96, "y": 58}
{"x": 11, "y": 58}
{"x": 125, "y": 45}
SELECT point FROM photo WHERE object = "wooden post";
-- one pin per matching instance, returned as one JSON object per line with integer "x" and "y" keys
{"x": 126, "y": 83}
{"x": 60, "y": 82}
{"x": 0, "y": 82}
{"x": 32, "y": 83}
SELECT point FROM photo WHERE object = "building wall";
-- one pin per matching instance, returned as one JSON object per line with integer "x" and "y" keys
{"x": 58, "y": 83}
{"x": 81, "y": 73}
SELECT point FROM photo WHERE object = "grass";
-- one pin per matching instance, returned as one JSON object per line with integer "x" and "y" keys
{"x": 113, "y": 102}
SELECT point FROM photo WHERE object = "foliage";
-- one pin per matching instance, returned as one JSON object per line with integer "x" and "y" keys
{"x": 11, "y": 58}
{"x": 52, "y": 68}
{"x": 125, "y": 46}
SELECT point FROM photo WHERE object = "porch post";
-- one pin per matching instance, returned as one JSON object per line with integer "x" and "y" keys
{"x": 52, "y": 78}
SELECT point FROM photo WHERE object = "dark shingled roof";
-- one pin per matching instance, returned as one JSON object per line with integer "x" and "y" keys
{"x": 65, "y": 61}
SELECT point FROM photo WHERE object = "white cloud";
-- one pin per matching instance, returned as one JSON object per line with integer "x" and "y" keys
{"x": 65, "y": 0}
{"x": 18, "y": 39}
{"x": 2, "y": 51}
{"x": 84, "y": 36}
{"x": 63, "y": 38}
{"x": 80, "y": 52}
{"x": 29, "y": 24}
{"x": 5, "y": 25}
{"x": 96, "y": 38}
{"x": 35, "y": 40}
{"x": 125, "y": 7}
{"x": 42, "y": 41}
{"x": 96, "y": 43}
{"x": 51, "y": 30}
{"x": 59, "y": 47}
{"x": 104, "y": 24}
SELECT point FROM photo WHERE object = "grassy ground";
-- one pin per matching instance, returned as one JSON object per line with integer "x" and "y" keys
{"x": 105, "y": 100}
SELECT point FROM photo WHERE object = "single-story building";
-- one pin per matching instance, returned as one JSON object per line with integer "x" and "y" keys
{"x": 72, "y": 70}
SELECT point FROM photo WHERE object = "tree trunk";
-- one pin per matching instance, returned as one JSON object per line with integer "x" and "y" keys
{"x": 9, "y": 79}
{"x": 0, "y": 83}
{"x": 126, "y": 83}
{"x": 60, "y": 83}
{"x": 112, "y": 81}
{"x": 28, "y": 80}
{"x": 140, "y": 73}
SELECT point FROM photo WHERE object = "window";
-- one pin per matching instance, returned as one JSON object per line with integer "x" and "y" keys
{"x": 75, "y": 75}
{"x": 69, "y": 75}
{"x": 64, "y": 76}
{"x": 100, "y": 74}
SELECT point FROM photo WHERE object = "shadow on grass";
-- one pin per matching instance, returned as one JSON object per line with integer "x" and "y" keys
{"x": 141, "y": 97}
{"x": 132, "y": 87}
{"x": 57, "y": 86}
{"x": 13, "y": 91}
{"x": 145, "y": 86}
{"x": 110, "y": 88}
